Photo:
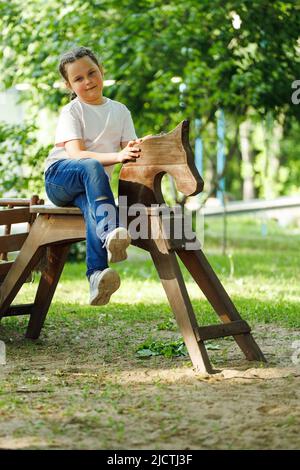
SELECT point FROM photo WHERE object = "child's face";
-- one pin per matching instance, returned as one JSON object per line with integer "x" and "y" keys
{"x": 86, "y": 80}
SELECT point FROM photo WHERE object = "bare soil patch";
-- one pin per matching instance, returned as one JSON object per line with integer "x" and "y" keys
{"x": 92, "y": 394}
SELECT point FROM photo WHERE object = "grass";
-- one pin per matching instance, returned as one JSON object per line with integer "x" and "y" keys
{"x": 83, "y": 384}
{"x": 262, "y": 275}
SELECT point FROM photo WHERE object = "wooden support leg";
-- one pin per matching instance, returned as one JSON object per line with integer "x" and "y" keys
{"x": 56, "y": 256}
{"x": 18, "y": 273}
{"x": 56, "y": 232}
{"x": 173, "y": 283}
{"x": 202, "y": 272}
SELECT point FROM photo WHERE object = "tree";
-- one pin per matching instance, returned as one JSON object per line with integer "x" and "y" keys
{"x": 21, "y": 160}
{"x": 144, "y": 44}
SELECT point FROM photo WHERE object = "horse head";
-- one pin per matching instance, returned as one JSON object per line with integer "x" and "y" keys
{"x": 168, "y": 153}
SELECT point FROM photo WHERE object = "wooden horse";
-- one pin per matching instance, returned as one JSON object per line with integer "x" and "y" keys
{"x": 56, "y": 228}
{"x": 140, "y": 182}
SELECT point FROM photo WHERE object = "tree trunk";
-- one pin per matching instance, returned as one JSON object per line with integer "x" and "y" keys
{"x": 273, "y": 133}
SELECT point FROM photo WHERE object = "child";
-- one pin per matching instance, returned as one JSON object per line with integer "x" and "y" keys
{"x": 90, "y": 132}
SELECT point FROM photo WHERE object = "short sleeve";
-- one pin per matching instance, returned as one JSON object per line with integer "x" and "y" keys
{"x": 68, "y": 127}
{"x": 128, "y": 132}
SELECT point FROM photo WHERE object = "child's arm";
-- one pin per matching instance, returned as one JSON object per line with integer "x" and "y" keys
{"x": 76, "y": 150}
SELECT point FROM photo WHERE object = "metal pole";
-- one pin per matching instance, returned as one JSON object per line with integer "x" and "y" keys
{"x": 220, "y": 170}
{"x": 221, "y": 153}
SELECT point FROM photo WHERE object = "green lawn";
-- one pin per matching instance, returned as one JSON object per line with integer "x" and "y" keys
{"x": 261, "y": 274}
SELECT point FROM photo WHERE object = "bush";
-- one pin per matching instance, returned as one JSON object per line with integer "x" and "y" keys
{"x": 21, "y": 160}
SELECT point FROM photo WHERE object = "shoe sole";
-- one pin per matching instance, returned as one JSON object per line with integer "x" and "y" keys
{"x": 116, "y": 247}
{"x": 109, "y": 283}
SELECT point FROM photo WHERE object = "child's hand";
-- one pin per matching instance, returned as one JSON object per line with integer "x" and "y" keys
{"x": 129, "y": 153}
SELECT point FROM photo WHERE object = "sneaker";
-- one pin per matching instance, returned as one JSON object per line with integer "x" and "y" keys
{"x": 102, "y": 285}
{"x": 116, "y": 244}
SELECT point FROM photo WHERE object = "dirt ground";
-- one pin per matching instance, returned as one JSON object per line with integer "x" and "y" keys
{"x": 93, "y": 398}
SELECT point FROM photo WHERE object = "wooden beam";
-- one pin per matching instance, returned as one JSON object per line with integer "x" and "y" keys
{"x": 50, "y": 209}
{"x": 15, "y": 310}
{"x": 14, "y": 216}
{"x": 219, "y": 331}
{"x": 12, "y": 242}
{"x": 4, "y": 268}
{"x": 16, "y": 202}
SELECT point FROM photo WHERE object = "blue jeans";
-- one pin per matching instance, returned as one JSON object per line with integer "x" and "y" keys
{"x": 84, "y": 183}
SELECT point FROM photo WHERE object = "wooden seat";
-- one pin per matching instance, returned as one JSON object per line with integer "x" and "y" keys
{"x": 50, "y": 209}
{"x": 56, "y": 228}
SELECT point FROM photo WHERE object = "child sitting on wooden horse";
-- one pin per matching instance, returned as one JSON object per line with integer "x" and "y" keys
{"x": 93, "y": 134}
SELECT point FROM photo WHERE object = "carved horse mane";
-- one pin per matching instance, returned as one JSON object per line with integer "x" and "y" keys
{"x": 168, "y": 153}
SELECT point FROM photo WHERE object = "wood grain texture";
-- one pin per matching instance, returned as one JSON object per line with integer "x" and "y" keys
{"x": 14, "y": 216}
{"x": 170, "y": 153}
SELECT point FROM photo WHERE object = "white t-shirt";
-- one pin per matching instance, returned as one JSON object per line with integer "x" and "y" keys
{"x": 102, "y": 127}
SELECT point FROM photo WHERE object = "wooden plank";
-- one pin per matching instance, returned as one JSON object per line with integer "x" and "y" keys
{"x": 57, "y": 256}
{"x": 7, "y": 231}
{"x": 44, "y": 232}
{"x": 4, "y": 268}
{"x": 12, "y": 242}
{"x": 15, "y": 310}
{"x": 14, "y": 216}
{"x": 209, "y": 283}
{"x": 57, "y": 228}
{"x": 171, "y": 277}
{"x": 34, "y": 201}
{"x": 16, "y": 202}
{"x": 222, "y": 330}
{"x": 25, "y": 262}
{"x": 50, "y": 209}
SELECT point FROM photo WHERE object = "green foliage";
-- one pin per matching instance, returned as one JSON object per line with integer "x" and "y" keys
{"x": 145, "y": 44}
{"x": 162, "y": 348}
{"x": 171, "y": 348}
{"x": 290, "y": 151}
{"x": 21, "y": 160}
{"x": 220, "y": 65}
{"x": 169, "y": 324}
{"x": 77, "y": 252}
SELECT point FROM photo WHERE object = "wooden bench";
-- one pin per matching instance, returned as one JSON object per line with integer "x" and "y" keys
{"x": 56, "y": 228}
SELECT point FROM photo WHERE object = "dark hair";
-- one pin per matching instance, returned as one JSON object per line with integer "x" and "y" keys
{"x": 72, "y": 56}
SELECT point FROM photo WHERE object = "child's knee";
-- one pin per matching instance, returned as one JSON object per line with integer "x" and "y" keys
{"x": 93, "y": 168}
